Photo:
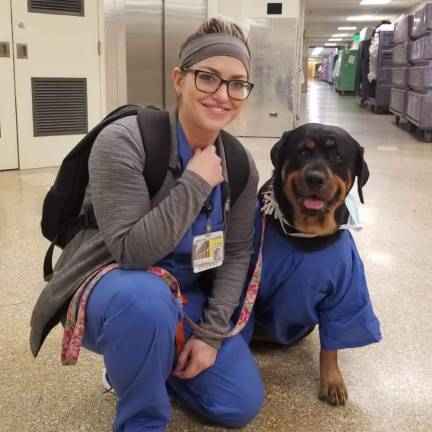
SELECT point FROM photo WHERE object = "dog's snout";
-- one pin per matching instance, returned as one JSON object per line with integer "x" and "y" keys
{"x": 315, "y": 179}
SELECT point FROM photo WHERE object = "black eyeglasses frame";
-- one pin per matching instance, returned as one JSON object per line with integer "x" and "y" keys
{"x": 222, "y": 81}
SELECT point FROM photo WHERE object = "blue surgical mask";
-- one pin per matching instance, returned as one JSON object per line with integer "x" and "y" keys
{"x": 354, "y": 214}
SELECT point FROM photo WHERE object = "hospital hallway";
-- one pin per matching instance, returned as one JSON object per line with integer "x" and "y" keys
{"x": 389, "y": 383}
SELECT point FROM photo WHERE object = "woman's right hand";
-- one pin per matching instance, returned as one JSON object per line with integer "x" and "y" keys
{"x": 207, "y": 164}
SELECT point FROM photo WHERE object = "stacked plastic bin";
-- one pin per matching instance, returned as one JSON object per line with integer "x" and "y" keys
{"x": 380, "y": 70}
{"x": 328, "y": 69}
{"x": 399, "y": 91}
{"x": 419, "y": 98}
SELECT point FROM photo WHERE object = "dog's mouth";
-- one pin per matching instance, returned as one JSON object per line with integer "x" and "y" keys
{"x": 314, "y": 204}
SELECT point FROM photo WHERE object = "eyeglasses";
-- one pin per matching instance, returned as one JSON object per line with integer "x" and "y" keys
{"x": 209, "y": 82}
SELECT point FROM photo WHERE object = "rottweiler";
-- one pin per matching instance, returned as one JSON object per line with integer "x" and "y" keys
{"x": 312, "y": 273}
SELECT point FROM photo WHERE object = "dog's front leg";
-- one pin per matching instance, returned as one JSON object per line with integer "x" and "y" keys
{"x": 333, "y": 388}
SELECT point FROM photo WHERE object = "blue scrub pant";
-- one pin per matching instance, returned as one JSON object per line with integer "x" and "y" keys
{"x": 132, "y": 320}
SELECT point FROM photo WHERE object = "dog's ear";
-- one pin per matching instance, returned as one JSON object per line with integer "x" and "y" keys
{"x": 275, "y": 150}
{"x": 361, "y": 172}
{"x": 274, "y": 153}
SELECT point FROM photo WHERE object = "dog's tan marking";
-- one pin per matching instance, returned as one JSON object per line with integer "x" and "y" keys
{"x": 318, "y": 225}
{"x": 310, "y": 144}
{"x": 283, "y": 172}
{"x": 330, "y": 143}
{"x": 349, "y": 182}
{"x": 332, "y": 388}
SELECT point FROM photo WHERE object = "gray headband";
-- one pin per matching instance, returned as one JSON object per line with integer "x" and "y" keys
{"x": 214, "y": 44}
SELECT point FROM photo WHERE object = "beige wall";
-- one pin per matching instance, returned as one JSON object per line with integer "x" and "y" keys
{"x": 252, "y": 8}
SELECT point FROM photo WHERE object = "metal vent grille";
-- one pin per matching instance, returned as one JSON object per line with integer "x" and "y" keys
{"x": 59, "y": 106}
{"x": 57, "y": 7}
{"x": 272, "y": 105}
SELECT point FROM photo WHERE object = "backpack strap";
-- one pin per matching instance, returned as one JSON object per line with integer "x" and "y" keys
{"x": 155, "y": 131}
{"x": 121, "y": 110}
{"x": 81, "y": 150}
{"x": 237, "y": 165}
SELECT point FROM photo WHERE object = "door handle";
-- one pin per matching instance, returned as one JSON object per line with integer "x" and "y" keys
{"x": 4, "y": 49}
{"x": 22, "y": 52}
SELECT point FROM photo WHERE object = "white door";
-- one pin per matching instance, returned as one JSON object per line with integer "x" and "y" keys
{"x": 8, "y": 137}
{"x": 56, "y": 75}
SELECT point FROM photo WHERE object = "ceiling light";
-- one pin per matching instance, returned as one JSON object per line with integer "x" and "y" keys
{"x": 374, "y": 2}
{"x": 335, "y": 39}
{"x": 347, "y": 28}
{"x": 358, "y": 18}
{"x": 330, "y": 44}
{"x": 317, "y": 51}
{"x": 341, "y": 35}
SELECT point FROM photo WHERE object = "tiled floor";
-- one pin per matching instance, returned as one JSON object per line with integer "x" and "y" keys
{"x": 390, "y": 384}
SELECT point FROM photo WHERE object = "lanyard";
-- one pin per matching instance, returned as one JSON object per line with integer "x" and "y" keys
{"x": 207, "y": 210}
{"x": 75, "y": 320}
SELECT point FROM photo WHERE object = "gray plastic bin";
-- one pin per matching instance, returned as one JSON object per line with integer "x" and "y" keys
{"x": 422, "y": 21}
{"x": 400, "y": 77}
{"x": 398, "y": 101}
{"x": 400, "y": 54}
{"x": 420, "y": 77}
{"x": 403, "y": 29}
{"x": 419, "y": 109}
{"x": 421, "y": 50}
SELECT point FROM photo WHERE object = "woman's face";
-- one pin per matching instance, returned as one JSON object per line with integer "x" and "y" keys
{"x": 209, "y": 112}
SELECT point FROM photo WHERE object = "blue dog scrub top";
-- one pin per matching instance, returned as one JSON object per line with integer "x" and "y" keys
{"x": 300, "y": 289}
{"x": 179, "y": 261}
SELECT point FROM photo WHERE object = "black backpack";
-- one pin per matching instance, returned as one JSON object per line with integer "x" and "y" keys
{"x": 61, "y": 218}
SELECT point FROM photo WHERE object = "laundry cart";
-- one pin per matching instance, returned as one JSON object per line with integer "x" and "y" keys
{"x": 419, "y": 98}
{"x": 401, "y": 66}
{"x": 412, "y": 94}
{"x": 380, "y": 70}
{"x": 345, "y": 81}
{"x": 327, "y": 69}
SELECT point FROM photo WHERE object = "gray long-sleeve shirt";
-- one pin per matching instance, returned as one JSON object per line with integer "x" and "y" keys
{"x": 136, "y": 232}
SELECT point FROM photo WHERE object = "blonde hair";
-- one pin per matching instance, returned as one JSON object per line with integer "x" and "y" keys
{"x": 217, "y": 25}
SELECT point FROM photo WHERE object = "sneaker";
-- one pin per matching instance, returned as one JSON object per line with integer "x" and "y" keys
{"x": 106, "y": 383}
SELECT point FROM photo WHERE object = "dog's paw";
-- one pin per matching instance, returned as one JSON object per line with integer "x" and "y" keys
{"x": 333, "y": 389}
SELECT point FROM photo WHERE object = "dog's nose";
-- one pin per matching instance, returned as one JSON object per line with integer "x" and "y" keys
{"x": 315, "y": 179}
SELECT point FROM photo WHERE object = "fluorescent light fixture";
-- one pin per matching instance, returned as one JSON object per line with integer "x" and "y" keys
{"x": 359, "y": 18}
{"x": 374, "y": 2}
{"x": 347, "y": 28}
{"x": 341, "y": 35}
{"x": 330, "y": 44}
{"x": 335, "y": 39}
{"x": 317, "y": 51}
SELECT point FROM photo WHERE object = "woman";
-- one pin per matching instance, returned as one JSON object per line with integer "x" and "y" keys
{"x": 131, "y": 316}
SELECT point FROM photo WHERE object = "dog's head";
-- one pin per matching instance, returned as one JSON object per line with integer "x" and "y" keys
{"x": 315, "y": 168}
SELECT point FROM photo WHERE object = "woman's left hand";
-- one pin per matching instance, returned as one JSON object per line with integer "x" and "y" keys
{"x": 196, "y": 357}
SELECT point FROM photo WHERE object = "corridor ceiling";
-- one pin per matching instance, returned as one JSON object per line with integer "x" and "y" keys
{"x": 323, "y": 17}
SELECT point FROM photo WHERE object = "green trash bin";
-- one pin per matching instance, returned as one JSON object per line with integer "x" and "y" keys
{"x": 345, "y": 82}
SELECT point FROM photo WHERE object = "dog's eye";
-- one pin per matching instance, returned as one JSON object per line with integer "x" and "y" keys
{"x": 304, "y": 152}
{"x": 337, "y": 156}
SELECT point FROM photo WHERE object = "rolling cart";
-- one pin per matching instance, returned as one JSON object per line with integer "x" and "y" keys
{"x": 345, "y": 82}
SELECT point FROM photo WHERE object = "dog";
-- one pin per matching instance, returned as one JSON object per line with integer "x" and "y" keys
{"x": 311, "y": 271}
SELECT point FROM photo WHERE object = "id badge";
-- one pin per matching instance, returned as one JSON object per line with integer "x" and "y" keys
{"x": 207, "y": 251}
